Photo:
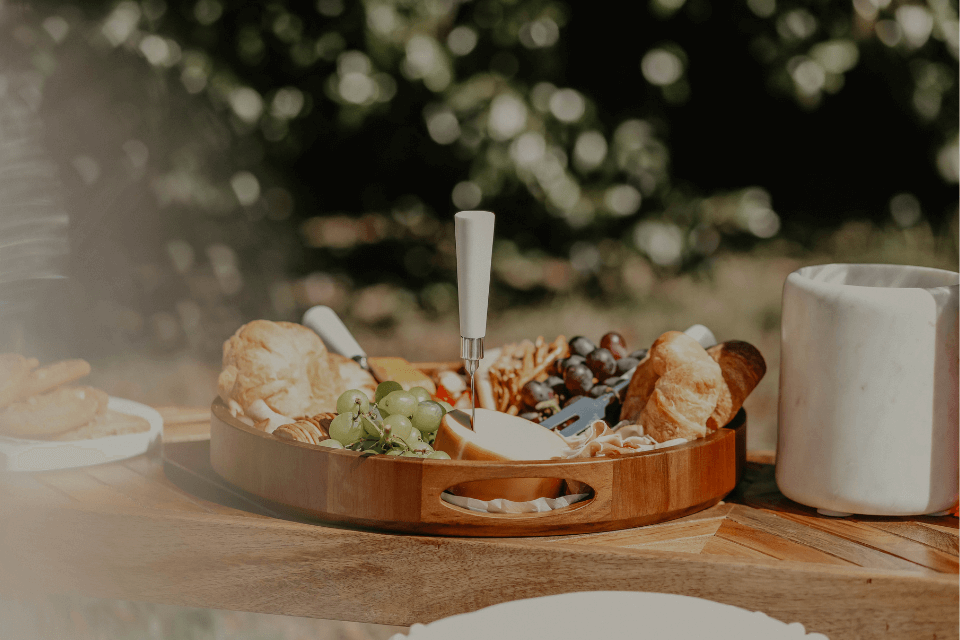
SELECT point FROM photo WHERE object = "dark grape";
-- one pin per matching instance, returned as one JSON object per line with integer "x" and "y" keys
{"x": 602, "y": 363}
{"x": 625, "y": 364}
{"x": 535, "y": 392}
{"x": 566, "y": 362}
{"x": 598, "y": 390}
{"x": 578, "y": 379}
{"x": 639, "y": 354}
{"x": 581, "y": 346}
{"x": 615, "y": 344}
{"x": 571, "y": 400}
{"x": 532, "y": 416}
{"x": 557, "y": 385}
{"x": 612, "y": 381}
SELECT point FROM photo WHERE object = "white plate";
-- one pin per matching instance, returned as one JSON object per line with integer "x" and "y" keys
{"x": 610, "y": 614}
{"x": 43, "y": 455}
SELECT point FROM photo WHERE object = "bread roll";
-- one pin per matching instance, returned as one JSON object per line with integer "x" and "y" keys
{"x": 354, "y": 376}
{"x": 14, "y": 369}
{"x": 52, "y": 413}
{"x": 284, "y": 364}
{"x": 671, "y": 350}
{"x": 682, "y": 401}
{"x": 742, "y": 367}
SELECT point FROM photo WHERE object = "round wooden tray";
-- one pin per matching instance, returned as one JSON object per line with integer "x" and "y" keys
{"x": 403, "y": 494}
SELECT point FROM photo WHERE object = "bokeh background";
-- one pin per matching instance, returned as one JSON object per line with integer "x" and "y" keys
{"x": 172, "y": 169}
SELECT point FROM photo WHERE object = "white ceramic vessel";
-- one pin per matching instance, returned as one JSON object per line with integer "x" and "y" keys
{"x": 868, "y": 389}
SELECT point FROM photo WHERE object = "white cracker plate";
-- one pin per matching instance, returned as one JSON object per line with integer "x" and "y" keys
{"x": 43, "y": 455}
{"x": 610, "y": 614}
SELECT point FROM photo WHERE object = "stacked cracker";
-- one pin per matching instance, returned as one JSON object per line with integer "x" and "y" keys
{"x": 517, "y": 365}
{"x": 41, "y": 403}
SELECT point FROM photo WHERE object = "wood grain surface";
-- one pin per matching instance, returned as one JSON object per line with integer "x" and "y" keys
{"x": 176, "y": 533}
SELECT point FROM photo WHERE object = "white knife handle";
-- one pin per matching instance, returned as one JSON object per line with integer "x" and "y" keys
{"x": 474, "y": 232}
{"x": 702, "y": 335}
{"x": 327, "y": 324}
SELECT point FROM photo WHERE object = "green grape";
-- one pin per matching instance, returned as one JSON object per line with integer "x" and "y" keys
{"x": 427, "y": 417}
{"x": 394, "y": 452}
{"x": 409, "y": 454}
{"x": 421, "y": 394}
{"x": 353, "y": 401}
{"x": 402, "y": 403}
{"x": 400, "y": 426}
{"x": 370, "y": 426}
{"x": 424, "y": 447}
{"x": 439, "y": 455}
{"x": 345, "y": 429}
{"x": 331, "y": 443}
{"x": 447, "y": 407}
{"x": 413, "y": 439}
{"x": 386, "y": 388}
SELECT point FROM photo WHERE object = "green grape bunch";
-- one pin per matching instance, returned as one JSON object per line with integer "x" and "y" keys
{"x": 397, "y": 423}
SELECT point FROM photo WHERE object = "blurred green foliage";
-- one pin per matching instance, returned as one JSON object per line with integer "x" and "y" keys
{"x": 284, "y": 154}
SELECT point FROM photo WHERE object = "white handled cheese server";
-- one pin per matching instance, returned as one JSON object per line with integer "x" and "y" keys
{"x": 474, "y": 233}
{"x": 327, "y": 324}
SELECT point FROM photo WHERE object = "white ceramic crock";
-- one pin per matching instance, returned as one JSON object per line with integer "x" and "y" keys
{"x": 868, "y": 389}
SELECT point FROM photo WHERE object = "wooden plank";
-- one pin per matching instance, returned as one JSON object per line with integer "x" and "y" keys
{"x": 653, "y": 534}
{"x": 715, "y": 512}
{"x": 762, "y": 456}
{"x": 145, "y": 492}
{"x": 945, "y": 524}
{"x": 774, "y": 545}
{"x": 876, "y": 538}
{"x": 917, "y": 531}
{"x": 270, "y": 566}
{"x": 85, "y": 488}
{"x": 26, "y": 488}
{"x": 818, "y": 539}
{"x": 186, "y": 432}
{"x": 679, "y": 545}
{"x": 173, "y": 415}
{"x": 187, "y": 466}
{"x": 724, "y": 547}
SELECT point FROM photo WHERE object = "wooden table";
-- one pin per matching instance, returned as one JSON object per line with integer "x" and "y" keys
{"x": 132, "y": 531}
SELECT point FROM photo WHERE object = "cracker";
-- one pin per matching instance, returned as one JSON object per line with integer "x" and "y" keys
{"x": 301, "y": 431}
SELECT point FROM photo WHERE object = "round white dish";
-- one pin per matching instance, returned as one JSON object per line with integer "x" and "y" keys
{"x": 868, "y": 389}
{"x": 42, "y": 455}
{"x": 610, "y": 614}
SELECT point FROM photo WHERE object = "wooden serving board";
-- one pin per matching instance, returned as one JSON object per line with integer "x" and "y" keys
{"x": 403, "y": 494}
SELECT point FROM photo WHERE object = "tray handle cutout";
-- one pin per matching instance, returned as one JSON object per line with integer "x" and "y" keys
{"x": 437, "y": 478}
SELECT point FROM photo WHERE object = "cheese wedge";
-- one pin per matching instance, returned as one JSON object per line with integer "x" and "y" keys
{"x": 500, "y": 437}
